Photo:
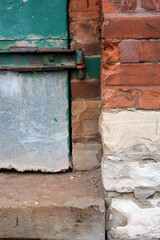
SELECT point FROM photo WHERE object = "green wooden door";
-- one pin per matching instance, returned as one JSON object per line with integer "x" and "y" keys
{"x": 34, "y": 115}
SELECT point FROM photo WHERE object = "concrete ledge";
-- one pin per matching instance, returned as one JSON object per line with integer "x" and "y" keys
{"x": 66, "y": 206}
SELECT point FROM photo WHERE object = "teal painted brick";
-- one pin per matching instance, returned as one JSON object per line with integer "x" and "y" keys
{"x": 92, "y": 68}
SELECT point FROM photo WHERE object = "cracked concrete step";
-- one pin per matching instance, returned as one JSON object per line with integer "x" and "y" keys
{"x": 66, "y": 206}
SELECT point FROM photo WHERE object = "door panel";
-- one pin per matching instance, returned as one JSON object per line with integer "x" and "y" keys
{"x": 34, "y": 121}
{"x": 34, "y": 115}
{"x": 33, "y": 19}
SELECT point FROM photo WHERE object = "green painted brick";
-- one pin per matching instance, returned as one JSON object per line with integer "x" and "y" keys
{"x": 92, "y": 68}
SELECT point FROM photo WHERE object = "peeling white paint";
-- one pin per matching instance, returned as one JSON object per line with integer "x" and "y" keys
{"x": 25, "y": 44}
{"x": 10, "y": 85}
{"x": 34, "y": 36}
{"x": 30, "y": 138}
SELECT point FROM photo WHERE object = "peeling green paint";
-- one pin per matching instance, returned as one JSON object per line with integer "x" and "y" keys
{"x": 48, "y": 43}
{"x": 17, "y": 222}
{"x": 33, "y": 19}
{"x": 55, "y": 119}
{"x": 33, "y": 74}
{"x": 30, "y": 59}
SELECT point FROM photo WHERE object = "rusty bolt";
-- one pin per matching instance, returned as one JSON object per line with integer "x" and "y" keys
{"x": 51, "y": 59}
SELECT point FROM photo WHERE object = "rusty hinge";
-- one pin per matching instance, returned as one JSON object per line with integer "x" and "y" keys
{"x": 25, "y": 59}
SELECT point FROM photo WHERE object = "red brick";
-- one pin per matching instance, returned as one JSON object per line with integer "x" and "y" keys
{"x": 85, "y": 115}
{"x": 129, "y": 51}
{"x": 84, "y": 31}
{"x": 131, "y": 74}
{"x": 84, "y": 89}
{"x": 93, "y": 14}
{"x": 115, "y": 6}
{"x": 150, "y": 51}
{"x": 92, "y": 48}
{"x": 131, "y": 27}
{"x": 84, "y": 5}
{"x": 118, "y": 98}
{"x": 110, "y": 51}
{"x": 84, "y": 8}
{"x": 149, "y": 98}
{"x": 150, "y": 5}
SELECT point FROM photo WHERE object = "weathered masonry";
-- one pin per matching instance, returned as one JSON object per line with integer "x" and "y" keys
{"x": 129, "y": 122}
{"x": 80, "y": 119}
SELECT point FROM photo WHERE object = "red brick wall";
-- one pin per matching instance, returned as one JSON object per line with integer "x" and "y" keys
{"x": 130, "y": 54}
{"x": 84, "y": 28}
{"x": 85, "y": 23}
{"x": 130, "y": 42}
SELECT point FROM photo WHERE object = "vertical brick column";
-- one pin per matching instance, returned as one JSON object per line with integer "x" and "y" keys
{"x": 85, "y": 24}
{"x": 130, "y": 117}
